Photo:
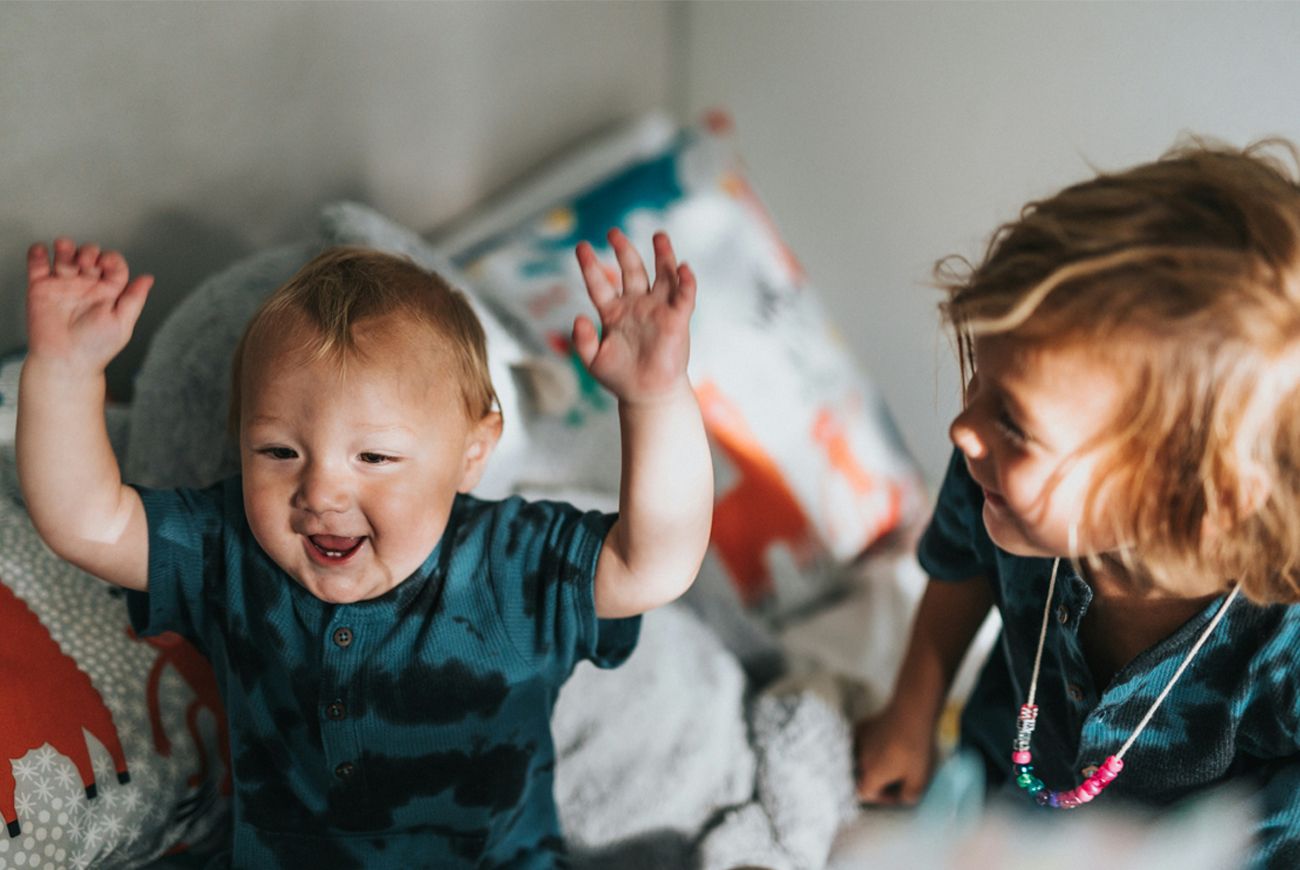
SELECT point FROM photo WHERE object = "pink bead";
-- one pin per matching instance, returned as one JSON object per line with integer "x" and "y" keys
{"x": 1068, "y": 801}
{"x": 1091, "y": 787}
{"x": 1083, "y": 795}
{"x": 1105, "y": 776}
{"x": 1113, "y": 764}
{"x": 1021, "y": 757}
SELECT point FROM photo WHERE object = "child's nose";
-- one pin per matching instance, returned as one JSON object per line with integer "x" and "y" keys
{"x": 321, "y": 490}
{"x": 966, "y": 437}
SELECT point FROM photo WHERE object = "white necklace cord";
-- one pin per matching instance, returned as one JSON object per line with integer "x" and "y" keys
{"x": 1187, "y": 660}
{"x": 1042, "y": 634}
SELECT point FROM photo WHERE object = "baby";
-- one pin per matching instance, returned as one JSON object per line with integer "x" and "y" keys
{"x": 388, "y": 648}
{"x": 1126, "y": 491}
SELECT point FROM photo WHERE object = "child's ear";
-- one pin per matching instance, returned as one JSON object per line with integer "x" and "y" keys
{"x": 483, "y": 437}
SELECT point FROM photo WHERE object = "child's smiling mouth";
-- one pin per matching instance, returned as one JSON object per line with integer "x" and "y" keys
{"x": 332, "y": 550}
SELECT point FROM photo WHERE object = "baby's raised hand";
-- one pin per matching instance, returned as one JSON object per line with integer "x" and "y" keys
{"x": 641, "y": 351}
{"x": 81, "y": 307}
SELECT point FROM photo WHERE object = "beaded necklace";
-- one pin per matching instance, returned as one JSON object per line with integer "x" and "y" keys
{"x": 1104, "y": 775}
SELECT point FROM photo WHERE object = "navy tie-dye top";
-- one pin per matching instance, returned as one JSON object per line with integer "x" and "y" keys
{"x": 410, "y": 730}
{"x": 1234, "y": 715}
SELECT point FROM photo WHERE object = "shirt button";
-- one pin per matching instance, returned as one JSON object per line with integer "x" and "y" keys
{"x": 1089, "y": 771}
{"x": 342, "y": 637}
{"x": 345, "y": 770}
{"x": 1062, "y": 614}
{"x": 336, "y": 711}
{"x": 1075, "y": 692}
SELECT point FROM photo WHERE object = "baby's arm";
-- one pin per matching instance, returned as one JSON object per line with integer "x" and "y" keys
{"x": 895, "y": 748}
{"x": 81, "y": 310}
{"x": 653, "y": 552}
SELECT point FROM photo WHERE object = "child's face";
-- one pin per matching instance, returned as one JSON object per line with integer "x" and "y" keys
{"x": 1028, "y": 416}
{"x": 349, "y": 474}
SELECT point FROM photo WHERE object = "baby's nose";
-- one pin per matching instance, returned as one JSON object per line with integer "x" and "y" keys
{"x": 321, "y": 490}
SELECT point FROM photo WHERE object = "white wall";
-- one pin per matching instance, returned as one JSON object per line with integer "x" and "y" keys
{"x": 188, "y": 134}
{"x": 883, "y": 136}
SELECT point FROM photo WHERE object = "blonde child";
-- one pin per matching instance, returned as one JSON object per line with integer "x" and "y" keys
{"x": 388, "y": 647}
{"x": 1126, "y": 491}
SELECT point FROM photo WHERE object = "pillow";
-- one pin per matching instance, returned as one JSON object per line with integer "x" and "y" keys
{"x": 182, "y": 391}
{"x": 116, "y": 418}
{"x": 809, "y": 469}
{"x": 112, "y": 750}
{"x": 178, "y": 414}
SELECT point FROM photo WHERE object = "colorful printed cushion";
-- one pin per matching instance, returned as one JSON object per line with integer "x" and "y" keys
{"x": 810, "y": 471}
{"x": 112, "y": 750}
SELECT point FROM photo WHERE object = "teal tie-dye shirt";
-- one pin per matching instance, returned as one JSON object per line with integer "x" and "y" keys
{"x": 1233, "y": 716}
{"x": 411, "y": 730}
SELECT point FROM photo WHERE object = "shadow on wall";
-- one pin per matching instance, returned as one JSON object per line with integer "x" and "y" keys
{"x": 179, "y": 249}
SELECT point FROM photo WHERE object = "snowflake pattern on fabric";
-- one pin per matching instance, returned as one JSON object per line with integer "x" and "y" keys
{"x": 124, "y": 824}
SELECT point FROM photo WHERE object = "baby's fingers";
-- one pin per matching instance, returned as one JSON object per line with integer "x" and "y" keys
{"x": 115, "y": 270}
{"x": 131, "y": 302}
{"x": 64, "y": 252}
{"x": 88, "y": 261}
{"x": 38, "y": 262}
{"x": 682, "y": 297}
{"x": 634, "y": 276}
{"x": 586, "y": 341}
{"x": 665, "y": 262}
{"x": 593, "y": 273}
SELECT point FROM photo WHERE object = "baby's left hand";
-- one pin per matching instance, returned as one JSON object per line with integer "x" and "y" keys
{"x": 641, "y": 352}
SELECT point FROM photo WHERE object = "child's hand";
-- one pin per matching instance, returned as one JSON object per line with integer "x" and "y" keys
{"x": 895, "y": 759}
{"x": 641, "y": 351}
{"x": 81, "y": 308}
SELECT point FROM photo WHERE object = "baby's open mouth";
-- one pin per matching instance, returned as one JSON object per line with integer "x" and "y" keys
{"x": 333, "y": 547}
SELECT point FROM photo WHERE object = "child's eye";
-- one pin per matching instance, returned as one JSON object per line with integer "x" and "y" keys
{"x": 279, "y": 453}
{"x": 1008, "y": 427}
{"x": 376, "y": 458}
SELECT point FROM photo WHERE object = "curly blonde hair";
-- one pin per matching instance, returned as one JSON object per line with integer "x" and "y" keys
{"x": 1184, "y": 274}
{"x": 344, "y": 286}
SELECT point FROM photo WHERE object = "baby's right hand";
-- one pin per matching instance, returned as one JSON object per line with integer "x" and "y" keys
{"x": 895, "y": 758}
{"x": 81, "y": 308}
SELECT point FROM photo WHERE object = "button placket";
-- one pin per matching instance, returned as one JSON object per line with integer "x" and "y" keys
{"x": 342, "y": 652}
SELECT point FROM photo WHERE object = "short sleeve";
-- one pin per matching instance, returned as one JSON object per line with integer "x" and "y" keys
{"x": 543, "y": 571}
{"x": 185, "y": 539}
{"x": 955, "y": 544}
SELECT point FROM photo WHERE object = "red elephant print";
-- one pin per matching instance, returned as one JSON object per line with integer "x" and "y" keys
{"x": 47, "y": 699}
{"x": 197, "y": 673}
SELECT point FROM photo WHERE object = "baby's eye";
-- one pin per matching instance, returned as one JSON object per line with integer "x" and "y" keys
{"x": 279, "y": 453}
{"x": 376, "y": 458}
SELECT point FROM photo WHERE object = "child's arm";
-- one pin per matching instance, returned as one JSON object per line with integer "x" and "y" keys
{"x": 653, "y": 552}
{"x": 895, "y": 748}
{"x": 81, "y": 310}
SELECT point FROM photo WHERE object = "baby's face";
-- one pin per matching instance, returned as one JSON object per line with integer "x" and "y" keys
{"x": 349, "y": 473}
{"x": 1025, "y": 432}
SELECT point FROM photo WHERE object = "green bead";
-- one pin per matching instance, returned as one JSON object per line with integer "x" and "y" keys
{"x": 1024, "y": 780}
{"x": 1036, "y": 786}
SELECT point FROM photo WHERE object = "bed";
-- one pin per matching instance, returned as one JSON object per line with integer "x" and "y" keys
{"x": 725, "y": 740}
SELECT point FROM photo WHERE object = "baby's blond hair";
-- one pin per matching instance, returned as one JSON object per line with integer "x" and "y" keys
{"x": 344, "y": 286}
{"x": 1183, "y": 275}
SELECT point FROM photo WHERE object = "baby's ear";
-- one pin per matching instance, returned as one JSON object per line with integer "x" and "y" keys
{"x": 482, "y": 439}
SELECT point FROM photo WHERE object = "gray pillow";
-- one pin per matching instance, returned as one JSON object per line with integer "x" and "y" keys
{"x": 178, "y": 415}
